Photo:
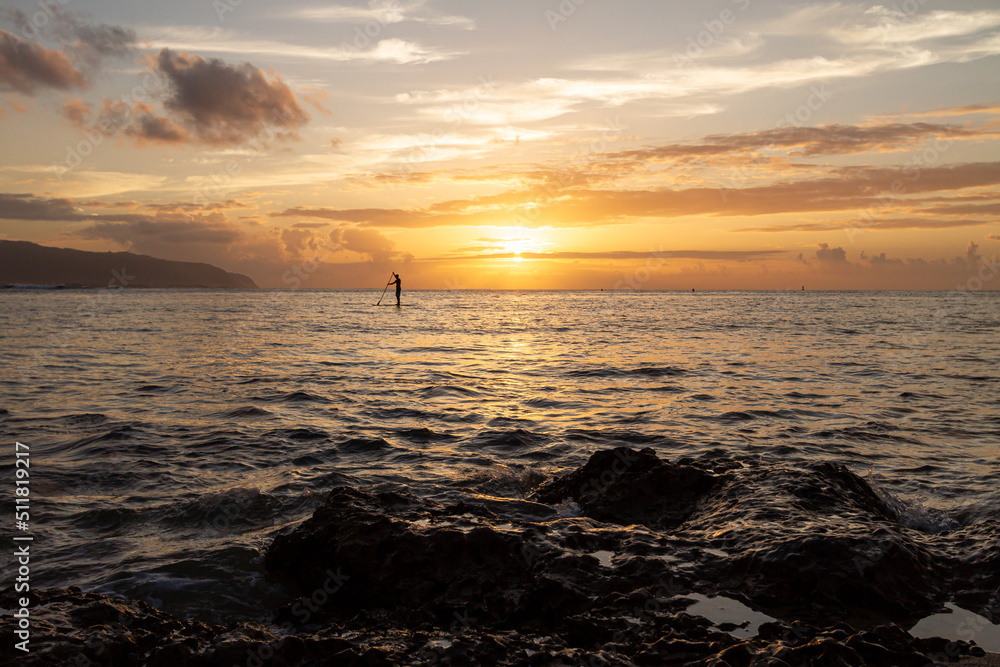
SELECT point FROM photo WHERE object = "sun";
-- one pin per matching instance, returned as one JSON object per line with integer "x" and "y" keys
{"x": 518, "y": 241}
{"x": 517, "y": 246}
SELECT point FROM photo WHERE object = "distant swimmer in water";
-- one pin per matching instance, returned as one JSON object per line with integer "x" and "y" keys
{"x": 399, "y": 286}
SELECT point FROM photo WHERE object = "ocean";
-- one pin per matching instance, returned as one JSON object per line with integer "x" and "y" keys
{"x": 174, "y": 433}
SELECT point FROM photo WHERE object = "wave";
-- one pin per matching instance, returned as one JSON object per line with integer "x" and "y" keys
{"x": 247, "y": 411}
{"x": 912, "y": 513}
{"x": 293, "y": 397}
{"x": 509, "y": 439}
{"x": 642, "y": 371}
{"x": 446, "y": 391}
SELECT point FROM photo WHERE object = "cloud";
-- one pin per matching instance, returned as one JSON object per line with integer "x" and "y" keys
{"x": 30, "y": 207}
{"x": 100, "y": 40}
{"x": 944, "y": 112}
{"x": 173, "y": 223}
{"x": 834, "y": 139}
{"x": 76, "y": 111}
{"x": 966, "y": 209}
{"x": 364, "y": 241}
{"x": 888, "y": 27}
{"x": 317, "y": 98}
{"x": 829, "y": 255}
{"x": 217, "y": 40}
{"x": 993, "y": 237}
{"x": 150, "y": 127}
{"x": 383, "y": 13}
{"x": 678, "y": 85}
{"x": 222, "y": 104}
{"x": 206, "y": 102}
{"x": 211, "y": 229}
{"x": 684, "y": 89}
{"x": 859, "y": 189}
{"x": 883, "y": 223}
{"x": 26, "y": 66}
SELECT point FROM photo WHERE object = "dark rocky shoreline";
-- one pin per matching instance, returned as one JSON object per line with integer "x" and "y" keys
{"x": 592, "y": 568}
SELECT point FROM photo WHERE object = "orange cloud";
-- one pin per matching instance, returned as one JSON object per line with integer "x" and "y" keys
{"x": 852, "y": 188}
{"x": 26, "y": 66}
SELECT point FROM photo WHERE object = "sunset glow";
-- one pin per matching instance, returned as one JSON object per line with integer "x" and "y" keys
{"x": 727, "y": 145}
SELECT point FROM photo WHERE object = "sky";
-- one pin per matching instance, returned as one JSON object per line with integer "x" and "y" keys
{"x": 577, "y": 144}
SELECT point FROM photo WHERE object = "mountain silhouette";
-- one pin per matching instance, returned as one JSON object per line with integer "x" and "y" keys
{"x": 25, "y": 263}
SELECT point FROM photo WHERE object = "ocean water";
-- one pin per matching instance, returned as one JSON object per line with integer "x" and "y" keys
{"x": 174, "y": 433}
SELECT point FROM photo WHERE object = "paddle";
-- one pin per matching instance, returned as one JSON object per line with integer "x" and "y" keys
{"x": 383, "y": 292}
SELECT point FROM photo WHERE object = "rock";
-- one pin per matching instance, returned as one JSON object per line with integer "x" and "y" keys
{"x": 627, "y": 487}
{"x": 386, "y": 576}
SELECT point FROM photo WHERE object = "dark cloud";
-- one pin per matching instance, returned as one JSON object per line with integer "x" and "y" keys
{"x": 30, "y": 207}
{"x": 966, "y": 209}
{"x": 106, "y": 41}
{"x": 212, "y": 102}
{"x": 810, "y": 141}
{"x": 310, "y": 225}
{"x": 856, "y": 223}
{"x": 143, "y": 231}
{"x": 147, "y": 126}
{"x": 26, "y": 66}
{"x": 169, "y": 223}
{"x": 297, "y": 241}
{"x": 364, "y": 241}
{"x": 830, "y": 255}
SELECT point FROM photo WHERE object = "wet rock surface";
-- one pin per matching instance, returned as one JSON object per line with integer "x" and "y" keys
{"x": 594, "y": 567}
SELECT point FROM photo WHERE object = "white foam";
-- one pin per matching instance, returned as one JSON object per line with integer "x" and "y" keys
{"x": 912, "y": 513}
{"x": 568, "y": 509}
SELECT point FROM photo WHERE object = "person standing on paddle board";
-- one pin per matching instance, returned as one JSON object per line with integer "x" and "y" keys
{"x": 399, "y": 286}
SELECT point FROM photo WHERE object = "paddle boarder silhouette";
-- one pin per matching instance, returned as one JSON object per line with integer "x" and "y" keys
{"x": 399, "y": 286}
